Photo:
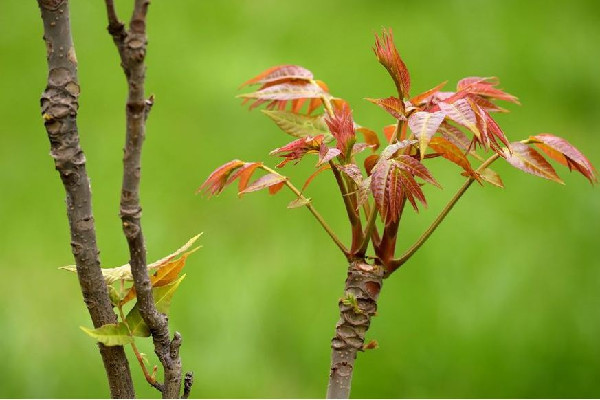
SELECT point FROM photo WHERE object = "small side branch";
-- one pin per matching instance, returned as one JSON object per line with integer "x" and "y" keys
{"x": 131, "y": 45}
{"x": 59, "y": 109}
{"x": 395, "y": 264}
{"x": 315, "y": 213}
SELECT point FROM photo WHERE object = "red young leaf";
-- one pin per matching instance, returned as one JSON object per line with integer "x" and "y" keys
{"x": 452, "y": 153}
{"x": 326, "y": 154}
{"x": 392, "y": 105}
{"x": 353, "y": 172}
{"x": 422, "y": 97}
{"x": 281, "y": 93}
{"x": 370, "y": 136}
{"x": 461, "y": 112}
{"x": 388, "y": 56}
{"x": 341, "y": 127}
{"x": 263, "y": 182}
{"x": 389, "y": 131}
{"x": 273, "y": 189}
{"x": 485, "y": 87}
{"x": 280, "y": 73}
{"x": 296, "y": 149}
{"x": 412, "y": 190}
{"x": 392, "y": 149}
{"x": 217, "y": 180}
{"x": 412, "y": 165}
{"x": 565, "y": 153}
{"x": 244, "y": 174}
{"x": 424, "y": 125}
{"x": 370, "y": 162}
{"x": 527, "y": 159}
{"x": 454, "y": 135}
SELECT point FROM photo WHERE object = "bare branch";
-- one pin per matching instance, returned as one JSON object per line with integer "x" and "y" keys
{"x": 131, "y": 45}
{"x": 59, "y": 110}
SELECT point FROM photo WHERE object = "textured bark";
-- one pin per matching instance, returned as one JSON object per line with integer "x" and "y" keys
{"x": 131, "y": 45}
{"x": 357, "y": 307}
{"x": 59, "y": 104}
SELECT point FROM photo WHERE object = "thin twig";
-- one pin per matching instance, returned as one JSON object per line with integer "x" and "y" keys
{"x": 59, "y": 110}
{"x": 395, "y": 264}
{"x": 313, "y": 211}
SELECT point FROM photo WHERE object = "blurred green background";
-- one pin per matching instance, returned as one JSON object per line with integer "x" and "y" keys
{"x": 503, "y": 301}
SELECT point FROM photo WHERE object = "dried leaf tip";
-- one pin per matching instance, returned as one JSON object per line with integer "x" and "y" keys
{"x": 387, "y": 55}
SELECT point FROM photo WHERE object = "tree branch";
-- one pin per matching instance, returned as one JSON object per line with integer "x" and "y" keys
{"x": 131, "y": 45}
{"x": 395, "y": 264}
{"x": 59, "y": 109}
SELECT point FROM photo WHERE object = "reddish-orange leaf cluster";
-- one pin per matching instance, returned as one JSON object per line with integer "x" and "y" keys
{"x": 283, "y": 84}
{"x": 341, "y": 127}
{"x": 295, "y": 150}
{"x": 388, "y": 56}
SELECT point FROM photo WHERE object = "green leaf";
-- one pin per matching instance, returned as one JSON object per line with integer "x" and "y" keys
{"x": 136, "y": 324}
{"x": 299, "y": 202}
{"x": 110, "y": 334}
{"x": 298, "y": 125}
{"x": 164, "y": 294}
{"x": 162, "y": 300}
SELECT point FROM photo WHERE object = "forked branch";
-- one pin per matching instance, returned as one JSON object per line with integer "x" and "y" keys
{"x": 131, "y": 45}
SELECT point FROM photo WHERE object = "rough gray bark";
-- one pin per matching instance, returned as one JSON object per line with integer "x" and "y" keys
{"x": 131, "y": 45}
{"x": 357, "y": 307}
{"x": 59, "y": 104}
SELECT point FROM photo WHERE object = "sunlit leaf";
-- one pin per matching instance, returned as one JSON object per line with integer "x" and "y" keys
{"x": 454, "y": 135}
{"x": 485, "y": 87}
{"x": 491, "y": 177}
{"x": 422, "y": 97}
{"x": 217, "y": 180}
{"x": 299, "y": 202}
{"x": 273, "y": 189}
{"x": 110, "y": 334}
{"x": 243, "y": 174}
{"x": 123, "y": 273}
{"x": 298, "y": 125}
{"x": 280, "y": 73}
{"x": 527, "y": 159}
{"x": 452, "y": 153}
{"x": 393, "y": 105}
{"x": 424, "y": 125}
{"x": 460, "y": 112}
{"x": 370, "y": 136}
{"x": 164, "y": 274}
{"x": 287, "y": 91}
{"x": 565, "y": 153}
{"x": 326, "y": 154}
{"x": 264, "y": 182}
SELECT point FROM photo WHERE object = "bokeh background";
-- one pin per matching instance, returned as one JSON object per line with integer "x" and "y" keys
{"x": 503, "y": 301}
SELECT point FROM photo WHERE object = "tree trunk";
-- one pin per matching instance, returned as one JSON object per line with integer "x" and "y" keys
{"x": 357, "y": 307}
{"x": 59, "y": 109}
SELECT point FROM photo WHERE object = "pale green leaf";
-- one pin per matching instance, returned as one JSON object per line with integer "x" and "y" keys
{"x": 298, "y": 125}
{"x": 136, "y": 324}
{"x": 299, "y": 202}
{"x": 110, "y": 334}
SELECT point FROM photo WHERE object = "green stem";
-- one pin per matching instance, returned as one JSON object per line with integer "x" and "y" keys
{"x": 395, "y": 264}
{"x": 313, "y": 211}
